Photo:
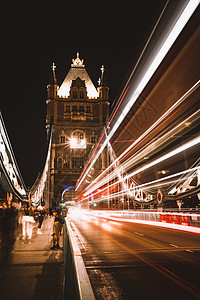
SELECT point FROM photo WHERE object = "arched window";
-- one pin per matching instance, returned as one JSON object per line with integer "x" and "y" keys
{"x": 59, "y": 163}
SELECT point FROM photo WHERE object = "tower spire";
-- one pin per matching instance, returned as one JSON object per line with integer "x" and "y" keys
{"x": 53, "y": 79}
{"x": 102, "y": 69}
{"x": 53, "y": 66}
{"x": 77, "y": 62}
{"x": 53, "y": 85}
{"x": 102, "y": 80}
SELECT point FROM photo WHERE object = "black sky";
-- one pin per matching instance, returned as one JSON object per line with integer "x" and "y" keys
{"x": 34, "y": 37}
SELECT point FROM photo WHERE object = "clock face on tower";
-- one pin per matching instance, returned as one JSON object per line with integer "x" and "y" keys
{"x": 79, "y": 135}
{"x": 77, "y": 140}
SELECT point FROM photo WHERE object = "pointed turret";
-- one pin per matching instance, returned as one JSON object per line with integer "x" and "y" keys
{"x": 52, "y": 88}
{"x": 103, "y": 87}
{"x": 103, "y": 90}
{"x": 52, "y": 98}
{"x": 102, "y": 81}
{"x": 77, "y": 70}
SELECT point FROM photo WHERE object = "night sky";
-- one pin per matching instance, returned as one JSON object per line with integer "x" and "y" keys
{"x": 32, "y": 38}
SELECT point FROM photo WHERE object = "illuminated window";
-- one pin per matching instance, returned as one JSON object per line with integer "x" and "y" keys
{"x": 88, "y": 109}
{"x": 77, "y": 162}
{"x": 67, "y": 109}
{"x": 74, "y": 108}
{"x": 81, "y": 95}
{"x": 74, "y": 94}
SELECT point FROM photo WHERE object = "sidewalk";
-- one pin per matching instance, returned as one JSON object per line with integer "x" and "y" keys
{"x": 33, "y": 271}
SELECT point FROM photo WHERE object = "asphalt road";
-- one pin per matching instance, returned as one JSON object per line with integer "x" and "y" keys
{"x": 134, "y": 261}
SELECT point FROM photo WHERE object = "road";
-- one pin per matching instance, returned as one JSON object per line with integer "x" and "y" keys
{"x": 134, "y": 261}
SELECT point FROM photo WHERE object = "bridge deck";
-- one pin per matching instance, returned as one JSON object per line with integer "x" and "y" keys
{"x": 33, "y": 271}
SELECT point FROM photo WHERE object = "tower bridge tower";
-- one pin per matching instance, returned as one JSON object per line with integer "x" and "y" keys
{"x": 79, "y": 113}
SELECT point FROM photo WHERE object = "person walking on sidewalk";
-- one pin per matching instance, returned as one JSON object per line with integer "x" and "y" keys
{"x": 27, "y": 225}
{"x": 40, "y": 219}
{"x": 56, "y": 230}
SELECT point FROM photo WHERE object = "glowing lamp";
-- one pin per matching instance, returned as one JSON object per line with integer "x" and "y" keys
{"x": 76, "y": 143}
{"x": 73, "y": 143}
{"x": 83, "y": 143}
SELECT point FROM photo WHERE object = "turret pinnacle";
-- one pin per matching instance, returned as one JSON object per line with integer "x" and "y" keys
{"x": 53, "y": 79}
{"x": 102, "y": 80}
{"x": 103, "y": 87}
{"x": 52, "y": 88}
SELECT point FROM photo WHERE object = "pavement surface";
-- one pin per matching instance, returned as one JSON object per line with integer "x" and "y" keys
{"x": 33, "y": 271}
{"x": 135, "y": 261}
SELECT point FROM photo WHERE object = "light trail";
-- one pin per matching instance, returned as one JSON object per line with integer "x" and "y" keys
{"x": 150, "y": 130}
{"x": 134, "y": 159}
{"x": 165, "y": 46}
{"x": 119, "y": 216}
{"x": 164, "y": 157}
{"x": 174, "y": 152}
{"x": 150, "y": 185}
{"x": 186, "y": 228}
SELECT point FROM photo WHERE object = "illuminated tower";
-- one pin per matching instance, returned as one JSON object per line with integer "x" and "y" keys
{"x": 79, "y": 113}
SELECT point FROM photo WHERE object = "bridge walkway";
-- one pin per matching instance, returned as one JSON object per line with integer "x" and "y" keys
{"x": 33, "y": 271}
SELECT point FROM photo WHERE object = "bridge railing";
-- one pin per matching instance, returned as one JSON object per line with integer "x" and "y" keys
{"x": 176, "y": 217}
{"x": 76, "y": 281}
{"x": 11, "y": 179}
{"x": 181, "y": 218}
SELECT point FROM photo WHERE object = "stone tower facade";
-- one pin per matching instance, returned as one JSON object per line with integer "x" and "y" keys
{"x": 79, "y": 113}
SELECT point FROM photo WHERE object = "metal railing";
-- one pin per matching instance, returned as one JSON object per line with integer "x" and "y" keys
{"x": 190, "y": 218}
{"x": 76, "y": 281}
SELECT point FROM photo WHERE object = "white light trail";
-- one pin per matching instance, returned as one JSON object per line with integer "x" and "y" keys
{"x": 100, "y": 216}
{"x": 150, "y": 184}
{"x": 136, "y": 157}
{"x": 164, "y": 157}
{"x": 158, "y": 57}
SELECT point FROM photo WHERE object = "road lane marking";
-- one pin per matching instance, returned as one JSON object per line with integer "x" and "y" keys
{"x": 138, "y": 233}
{"x": 115, "y": 266}
{"x": 162, "y": 270}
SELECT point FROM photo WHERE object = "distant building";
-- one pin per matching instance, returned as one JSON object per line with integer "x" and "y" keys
{"x": 79, "y": 113}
